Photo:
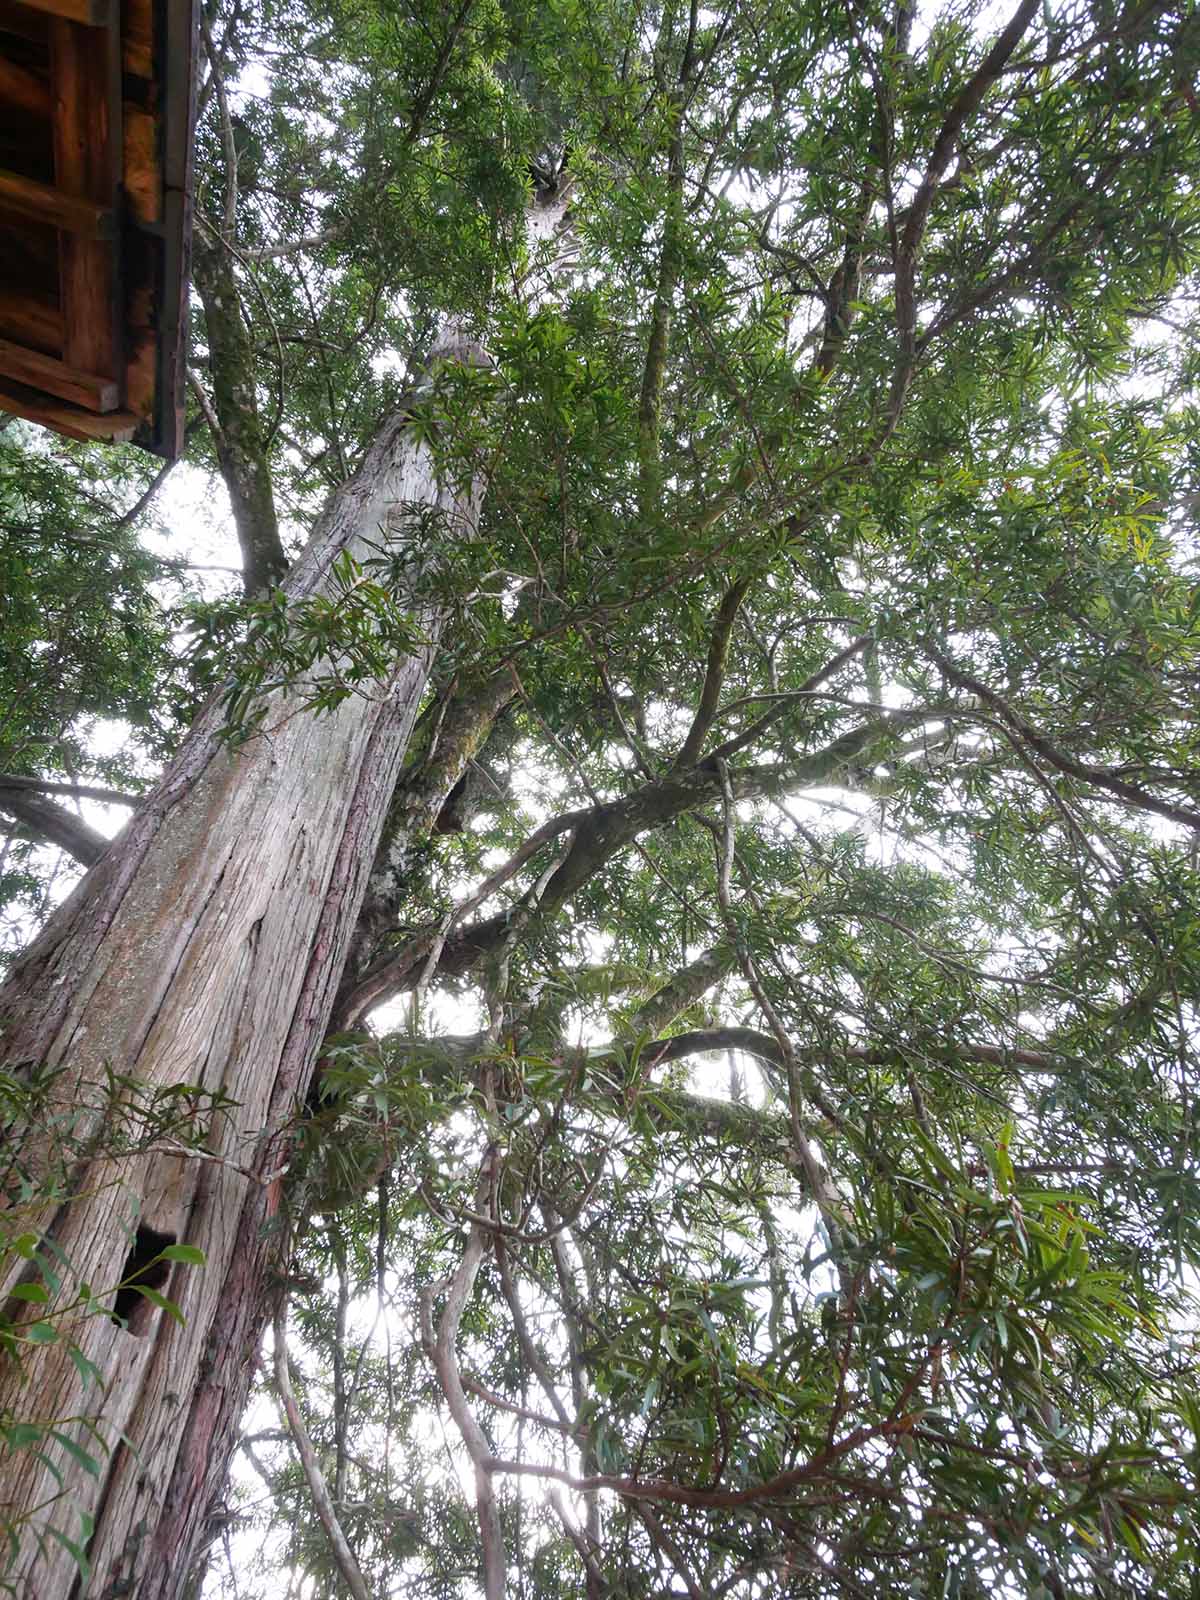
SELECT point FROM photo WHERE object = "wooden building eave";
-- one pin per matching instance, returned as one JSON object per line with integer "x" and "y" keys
{"x": 97, "y": 122}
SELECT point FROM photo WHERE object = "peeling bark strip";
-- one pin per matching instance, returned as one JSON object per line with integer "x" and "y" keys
{"x": 205, "y": 949}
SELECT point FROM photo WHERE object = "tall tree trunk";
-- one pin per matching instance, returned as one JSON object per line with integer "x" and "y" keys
{"x": 205, "y": 948}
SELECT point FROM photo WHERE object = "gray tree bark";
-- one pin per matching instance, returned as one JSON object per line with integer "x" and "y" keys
{"x": 205, "y": 948}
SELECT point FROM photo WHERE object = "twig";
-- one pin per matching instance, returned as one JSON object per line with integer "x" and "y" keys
{"x": 581, "y": 1547}
{"x": 829, "y": 1202}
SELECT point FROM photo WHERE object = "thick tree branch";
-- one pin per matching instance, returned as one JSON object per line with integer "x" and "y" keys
{"x": 684, "y": 989}
{"x": 50, "y": 823}
{"x": 752, "y": 1127}
{"x": 73, "y": 791}
{"x": 762, "y": 1045}
{"x": 605, "y": 830}
{"x": 966, "y": 103}
{"x": 670, "y": 1548}
{"x": 529, "y": 1350}
{"x": 595, "y": 1578}
{"x": 842, "y": 296}
{"x": 449, "y": 737}
{"x": 228, "y": 141}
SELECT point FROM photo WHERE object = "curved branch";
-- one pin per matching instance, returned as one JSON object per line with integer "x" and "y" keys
{"x": 604, "y": 830}
{"x": 50, "y": 823}
{"x": 440, "y": 1348}
{"x": 1098, "y": 777}
{"x": 439, "y": 1060}
{"x": 821, "y": 1469}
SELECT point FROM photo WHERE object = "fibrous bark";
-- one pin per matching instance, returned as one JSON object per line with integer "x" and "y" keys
{"x": 205, "y": 949}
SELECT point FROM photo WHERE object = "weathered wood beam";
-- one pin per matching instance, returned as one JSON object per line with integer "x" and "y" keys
{"x": 42, "y": 202}
{"x": 142, "y": 168}
{"x": 58, "y": 378}
{"x": 87, "y": 162}
{"x": 30, "y": 320}
{"x": 91, "y": 13}
{"x": 113, "y": 427}
{"x": 137, "y": 36}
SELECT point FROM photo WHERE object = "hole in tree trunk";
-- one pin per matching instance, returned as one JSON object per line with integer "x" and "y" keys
{"x": 142, "y": 1270}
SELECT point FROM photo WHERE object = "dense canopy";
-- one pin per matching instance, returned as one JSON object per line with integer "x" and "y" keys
{"x": 755, "y": 1151}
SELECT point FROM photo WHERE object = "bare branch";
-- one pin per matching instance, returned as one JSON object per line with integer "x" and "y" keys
{"x": 671, "y": 1550}
{"x": 1099, "y": 777}
{"x": 49, "y": 823}
{"x": 310, "y": 241}
{"x": 441, "y": 1350}
{"x": 347, "y": 1563}
{"x": 595, "y": 1576}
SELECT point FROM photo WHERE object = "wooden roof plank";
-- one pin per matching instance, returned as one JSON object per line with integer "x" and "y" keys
{"x": 114, "y": 427}
{"x": 30, "y": 320}
{"x": 23, "y": 90}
